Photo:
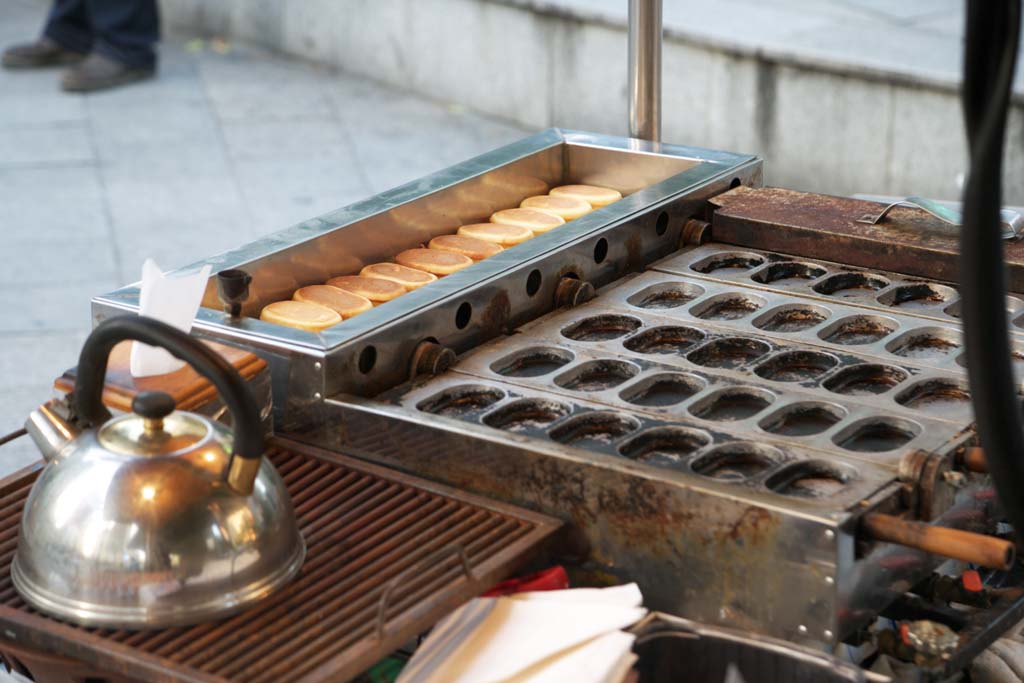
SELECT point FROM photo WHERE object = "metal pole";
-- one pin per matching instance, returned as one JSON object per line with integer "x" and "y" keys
{"x": 645, "y": 69}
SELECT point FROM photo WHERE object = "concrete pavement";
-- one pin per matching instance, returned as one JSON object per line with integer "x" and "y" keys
{"x": 228, "y": 144}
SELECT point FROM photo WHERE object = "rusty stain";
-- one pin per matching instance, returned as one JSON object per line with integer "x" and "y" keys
{"x": 634, "y": 252}
{"x": 908, "y": 240}
{"x": 495, "y": 317}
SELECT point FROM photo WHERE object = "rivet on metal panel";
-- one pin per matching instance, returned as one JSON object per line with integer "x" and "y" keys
{"x": 829, "y": 534}
{"x": 802, "y": 629}
{"x": 318, "y": 365}
{"x": 572, "y": 292}
{"x": 317, "y": 396}
{"x": 830, "y": 581}
{"x": 828, "y": 634}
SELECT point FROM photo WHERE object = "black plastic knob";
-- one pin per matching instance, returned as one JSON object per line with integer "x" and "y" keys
{"x": 233, "y": 289}
{"x": 154, "y": 405}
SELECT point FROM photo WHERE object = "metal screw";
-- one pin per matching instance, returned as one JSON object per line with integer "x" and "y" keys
{"x": 829, "y": 534}
{"x": 317, "y": 396}
{"x": 802, "y": 629}
{"x": 318, "y": 365}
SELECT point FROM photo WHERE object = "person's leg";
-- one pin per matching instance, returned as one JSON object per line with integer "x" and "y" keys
{"x": 125, "y": 47}
{"x": 68, "y": 25}
{"x": 126, "y": 30}
{"x": 66, "y": 39}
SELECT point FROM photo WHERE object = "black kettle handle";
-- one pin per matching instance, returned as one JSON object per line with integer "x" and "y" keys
{"x": 92, "y": 371}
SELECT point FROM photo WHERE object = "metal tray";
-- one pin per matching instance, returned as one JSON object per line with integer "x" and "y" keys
{"x": 664, "y": 185}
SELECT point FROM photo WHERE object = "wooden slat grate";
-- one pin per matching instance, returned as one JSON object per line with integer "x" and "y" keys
{"x": 363, "y": 527}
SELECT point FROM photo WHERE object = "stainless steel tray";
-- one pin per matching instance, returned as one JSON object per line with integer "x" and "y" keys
{"x": 664, "y": 186}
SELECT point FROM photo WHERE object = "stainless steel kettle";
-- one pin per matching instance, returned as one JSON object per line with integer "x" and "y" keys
{"x": 155, "y": 518}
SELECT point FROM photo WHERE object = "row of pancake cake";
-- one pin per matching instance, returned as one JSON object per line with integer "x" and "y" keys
{"x": 317, "y": 307}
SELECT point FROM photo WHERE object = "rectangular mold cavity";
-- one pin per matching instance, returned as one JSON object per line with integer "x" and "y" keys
{"x": 865, "y": 379}
{"x": 728, "y": 306}
{"x": 460, "y": 401}
{"x": 811, "y": 479}
{"x": 917, "y": 296}
{"x": 735, "y": 403}
{"x": 877, "y": 435}
{"x": 857, "y": 330}
{"x": 792, "y": 318}
{"x": 664, "y": 339}
{"x": 663, "y": 389}
{"x": 666, "y": 295}
{"x": 806, "y": 418}
{"x": 604, "y": 327}
{"x": 597, "y": 375}
{"x": 536, "y": 361}
{"x": 737, "y": 462}
{"x": 594, "y": 428}
{"x": 665, "y": 446}
{"x": 796, "y": 366}
{"x": 925, "y": 343}
{"x": 729, "y": 353}
{"x": 940, "y": 397}
{"x": 526, "y": 414}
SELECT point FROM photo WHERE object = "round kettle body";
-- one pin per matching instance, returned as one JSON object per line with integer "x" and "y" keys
{"x": 143, "y": 521}
{"x": 124, "y": 541}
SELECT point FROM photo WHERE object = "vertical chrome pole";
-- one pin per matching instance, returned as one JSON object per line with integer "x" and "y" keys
{"x": 645, "y": 69}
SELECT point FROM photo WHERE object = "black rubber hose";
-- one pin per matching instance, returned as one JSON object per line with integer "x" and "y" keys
{"x": 993, "y": 30}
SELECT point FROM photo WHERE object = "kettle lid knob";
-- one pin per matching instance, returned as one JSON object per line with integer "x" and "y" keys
{"x": 153, "y": 407}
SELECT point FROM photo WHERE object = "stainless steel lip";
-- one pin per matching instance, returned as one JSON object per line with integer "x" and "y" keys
{"x": 708, "y": 164}
{"x": 870, "y": 480}
{"x": 155, "y": 617}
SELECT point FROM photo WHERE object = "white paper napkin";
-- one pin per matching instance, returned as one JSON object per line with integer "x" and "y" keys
{"x": 173, "y": 300}
{"x": 524, "y": 638}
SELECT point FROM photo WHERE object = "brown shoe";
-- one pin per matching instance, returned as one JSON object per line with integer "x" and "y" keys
{"x": 42, "y": 53}
{"x": 98, "y": 73}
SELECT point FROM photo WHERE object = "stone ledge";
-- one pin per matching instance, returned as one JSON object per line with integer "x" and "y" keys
{"x": 821, "y": 125}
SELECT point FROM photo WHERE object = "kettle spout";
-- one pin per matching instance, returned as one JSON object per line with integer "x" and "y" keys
{"x": 50, "y": 428}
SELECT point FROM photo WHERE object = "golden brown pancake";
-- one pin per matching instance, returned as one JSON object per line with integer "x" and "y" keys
{"x": 409, "y": 278}
{"x": 538, "y": 222}
{"x": 566, "y": 208}
{"x": 594, "y": 195}
{"x": 439, "y": 263}
{"x": 301, "y": 315}
{"x": 472, "y": 247}
{"x": 345, "y": 304}
{"x": 376, "y": 290}
{"x": 505, "y": 235}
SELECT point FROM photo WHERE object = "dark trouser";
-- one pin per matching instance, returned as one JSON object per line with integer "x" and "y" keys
{"x": 123, "y": 30}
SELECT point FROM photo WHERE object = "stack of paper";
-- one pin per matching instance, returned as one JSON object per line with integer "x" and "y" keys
{"x": 546, "y": 637}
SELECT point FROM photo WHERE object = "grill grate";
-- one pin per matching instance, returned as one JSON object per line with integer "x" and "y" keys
{"x": 364, "y": 526}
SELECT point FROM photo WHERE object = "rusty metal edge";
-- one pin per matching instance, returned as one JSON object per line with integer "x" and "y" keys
{"x": 552, "y": 524}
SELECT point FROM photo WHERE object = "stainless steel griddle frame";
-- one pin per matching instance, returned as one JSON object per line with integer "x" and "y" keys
{"x": 664, "y": 185}
{"x": 723, "y": 553}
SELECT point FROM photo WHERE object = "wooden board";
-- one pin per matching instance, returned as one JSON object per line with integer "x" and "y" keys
{"x": 189, "y": 389}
